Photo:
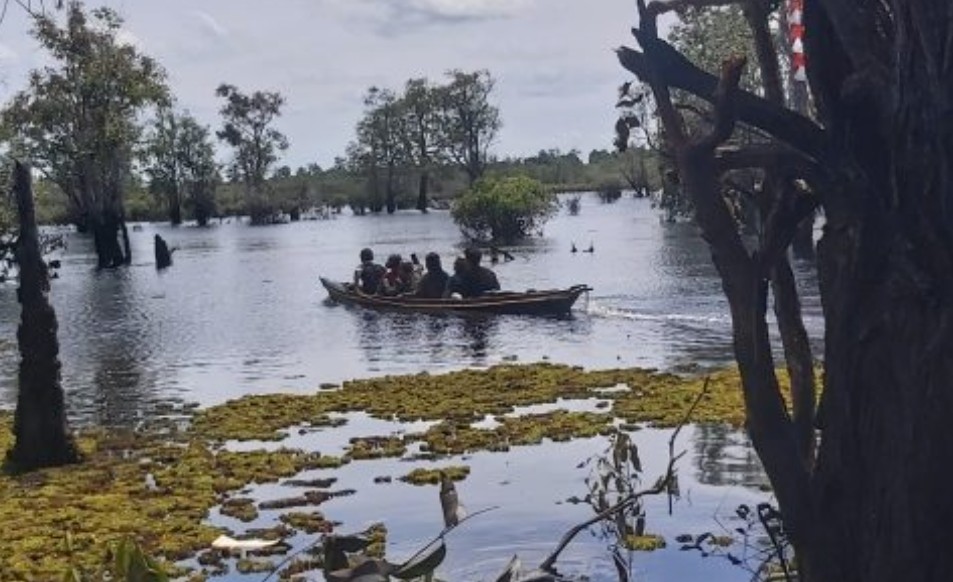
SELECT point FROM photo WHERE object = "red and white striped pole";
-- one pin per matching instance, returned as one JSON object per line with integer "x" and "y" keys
{"x": 796, "y": 33}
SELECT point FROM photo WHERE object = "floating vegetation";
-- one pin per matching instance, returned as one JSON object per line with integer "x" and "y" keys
{"x": 435, "y": 476}
{"x": 644, "y": 543}
{"x": 310, "y": 522}
{"x": 241, "y": 508}
{"x": 158, "y": 485}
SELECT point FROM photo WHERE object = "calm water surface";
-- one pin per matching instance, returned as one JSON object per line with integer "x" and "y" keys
{"x": 241, "y": 311}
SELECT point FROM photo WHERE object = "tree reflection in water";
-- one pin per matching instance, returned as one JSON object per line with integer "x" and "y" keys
{"x": 724, "y": 456}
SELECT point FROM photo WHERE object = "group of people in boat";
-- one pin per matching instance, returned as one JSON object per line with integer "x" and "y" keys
{"x": 400, "y": 277}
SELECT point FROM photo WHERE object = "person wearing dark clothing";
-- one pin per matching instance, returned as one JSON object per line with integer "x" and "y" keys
{"x": 434, "y": 282}
{"x": 481, "y": 279}
{"x": 459, "y": 283}
{"x": 369, "y": 275}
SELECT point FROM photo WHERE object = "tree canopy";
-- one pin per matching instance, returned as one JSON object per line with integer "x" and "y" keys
{"x": 78, "y": 120}
{"x": 504, "y": 209}
{"x": 247, "y": 127}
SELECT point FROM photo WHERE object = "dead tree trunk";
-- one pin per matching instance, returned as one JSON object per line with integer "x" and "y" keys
{"x": 40, "y": 429}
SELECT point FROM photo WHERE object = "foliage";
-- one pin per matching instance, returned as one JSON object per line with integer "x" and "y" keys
{"x": 382, "y": 146}
{"x": 247, "y": 128}
{"x": 128, "y": 563}
{"x": 709, "y": 35}
{"x": 470, "y": 121}
{"x": 180, "y": 164}
{"x": 765, "y": 549}
{"x": 78, "y": 119}
{"x": 504, "y": 209}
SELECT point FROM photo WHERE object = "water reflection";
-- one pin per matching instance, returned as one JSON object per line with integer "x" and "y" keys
{"x": 392, "y": 338}
{"x": 725, "y": 456}
{"x": 120, "y": 385}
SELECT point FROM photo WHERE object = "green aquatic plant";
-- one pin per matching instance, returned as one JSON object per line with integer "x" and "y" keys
{"x": 157, "y": 485}
{"x": 434, "y": 476}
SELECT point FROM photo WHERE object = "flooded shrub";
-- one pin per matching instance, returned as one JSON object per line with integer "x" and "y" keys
{"x": 504, "y": 209}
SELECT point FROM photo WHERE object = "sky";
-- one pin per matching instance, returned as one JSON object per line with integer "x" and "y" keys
{"x": 556, "y": 73}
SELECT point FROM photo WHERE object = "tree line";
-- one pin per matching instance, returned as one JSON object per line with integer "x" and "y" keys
{"x": 103, "y": 130}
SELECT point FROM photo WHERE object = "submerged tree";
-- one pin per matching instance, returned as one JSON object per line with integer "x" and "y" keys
{"x": 505, "y": 209}
{"x": 422, "y": 132}
{"x": 469, "y": 121}
{"x": 382, "y": 144}
{"x": 78, "y": 119}
{"x": 247, "y": 128}
{"x": 42, "y": 436}
{"x": 180, "y": 163}
{"x": 865, "y": 504}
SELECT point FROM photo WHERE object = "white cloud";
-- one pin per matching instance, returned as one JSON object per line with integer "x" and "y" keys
{"x": 466, "y": 9}
{"x": 209, "y": 24}
{"x": 7, "y": 54}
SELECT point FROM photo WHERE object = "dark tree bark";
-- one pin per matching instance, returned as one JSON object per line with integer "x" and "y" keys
{"x": 871, "y": 505}
{"x": 175, "y": 210}
{"x": 422, "y": 191}
{"x": 107, "y": 229}
{"x": 40, "y": 429}
{"x": 162, "y": 252}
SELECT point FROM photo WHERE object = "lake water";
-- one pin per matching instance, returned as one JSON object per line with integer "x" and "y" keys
{"x": 241, "y": 311}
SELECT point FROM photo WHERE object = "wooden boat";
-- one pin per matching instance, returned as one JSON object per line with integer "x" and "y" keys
{"x": 556, "y": 302}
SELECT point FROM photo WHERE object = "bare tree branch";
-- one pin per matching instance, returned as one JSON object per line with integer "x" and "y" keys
{"x": 674, "y": 70}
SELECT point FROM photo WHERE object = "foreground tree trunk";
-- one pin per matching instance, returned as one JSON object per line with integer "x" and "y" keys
{"x": 871, "y": 505}
{"x": 42, "y": 436}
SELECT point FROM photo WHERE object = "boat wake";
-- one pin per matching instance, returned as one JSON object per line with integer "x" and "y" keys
{"x": 609, "y": 312}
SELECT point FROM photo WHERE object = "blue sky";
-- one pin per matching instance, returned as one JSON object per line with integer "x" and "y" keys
{"x": 553, "y": 61}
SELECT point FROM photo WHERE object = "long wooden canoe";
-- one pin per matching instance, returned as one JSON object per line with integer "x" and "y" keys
{"x": 554, "y": 302}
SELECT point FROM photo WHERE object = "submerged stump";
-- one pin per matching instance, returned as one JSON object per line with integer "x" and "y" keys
{"x": 42, "y": 438}
{"x": 163, "y": 254}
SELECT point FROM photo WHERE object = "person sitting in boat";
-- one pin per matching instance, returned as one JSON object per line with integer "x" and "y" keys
{"x": 391, "y": 284}
{"x": 407, "y": 278}
{"x": 434, "y": 282}
{"x": 458, "y": 285}
{"x": 369, "y": 275}
{"x": 481, "y": 279}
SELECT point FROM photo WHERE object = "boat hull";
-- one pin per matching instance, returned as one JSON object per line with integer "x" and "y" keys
{"x": 558, "y": 302}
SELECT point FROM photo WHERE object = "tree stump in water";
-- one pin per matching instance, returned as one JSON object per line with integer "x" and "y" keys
{"x": 42, "y": 438}
{"x": 163, "y": 254}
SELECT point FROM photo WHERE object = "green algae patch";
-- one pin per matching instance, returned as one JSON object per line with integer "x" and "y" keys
{"x": 467, "y": 396}
{"x": 434, "y": 476}
{"x": 158, "y": 486}
{"x": 141, "y": 486}
{"x": 240, "y": 508}
{"x": 644, "y": 543}
{"x": 376, "y": 447}
{"x": 308, "y": 522}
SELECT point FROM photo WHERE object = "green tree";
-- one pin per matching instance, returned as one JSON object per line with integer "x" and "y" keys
{"x": 505, "y": 209}
{"x": 855, "y": 477}
{"x": 180, "y": 164}
{"x": 78, "y": 119}
{"x": 421, "y": 105}
{"x": 469, "y": 121}
{"x": 247, "y": 128}
{"x": 382, "y": 147}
